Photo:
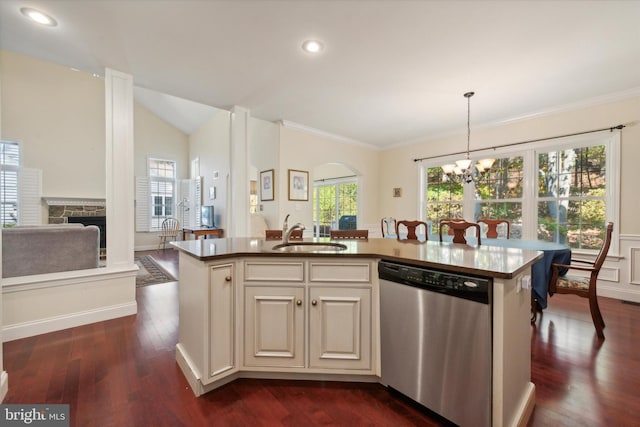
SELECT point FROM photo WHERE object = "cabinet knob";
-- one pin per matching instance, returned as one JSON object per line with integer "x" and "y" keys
{"x": 299, "y": 302}
{"x": 314, "y": 302}
{"x": 227, "y": 279}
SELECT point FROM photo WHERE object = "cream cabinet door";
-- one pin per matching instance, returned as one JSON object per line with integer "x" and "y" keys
{"x": 221, "y": 320}
{"x": 340, "y": 327}
{"x": 274, "y": 326}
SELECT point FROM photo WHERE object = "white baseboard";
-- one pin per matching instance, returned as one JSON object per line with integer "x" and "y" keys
{"x": 151, "y": 247}
{"x": 624, "y": 294}
{"x": 146, "y": 248}
{"x": 43, "y": 326}
{"x": 4, "y": 385}
{"x": 189, "y": 370}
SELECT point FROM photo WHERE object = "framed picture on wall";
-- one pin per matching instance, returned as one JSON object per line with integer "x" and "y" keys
{"x": 298, "y": 185}
{"x": 266, "y": 185}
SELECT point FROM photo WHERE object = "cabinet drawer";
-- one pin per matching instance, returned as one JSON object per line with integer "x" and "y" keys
{"x": 353, "y": 272}
{"x": 273, "y": 271}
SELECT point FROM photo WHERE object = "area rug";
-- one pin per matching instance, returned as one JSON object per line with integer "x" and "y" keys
{"x": 150, "y": 272}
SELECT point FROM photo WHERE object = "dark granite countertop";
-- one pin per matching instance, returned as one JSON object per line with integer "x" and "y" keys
{"x": 484, "y": 260}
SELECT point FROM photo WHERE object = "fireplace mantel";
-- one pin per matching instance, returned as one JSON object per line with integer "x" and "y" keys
{"x": 73, "y": 201}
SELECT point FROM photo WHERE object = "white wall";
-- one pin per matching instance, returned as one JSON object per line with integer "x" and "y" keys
{"x": 210, "y": 144}
{"x": 153, "y": 137}
{"x": 59, "y": 117}
{"x": 304, "y": 151}
{"x": 264, "y": 154}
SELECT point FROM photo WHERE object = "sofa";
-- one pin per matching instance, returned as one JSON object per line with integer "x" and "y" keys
{"x": 28, "y": 250}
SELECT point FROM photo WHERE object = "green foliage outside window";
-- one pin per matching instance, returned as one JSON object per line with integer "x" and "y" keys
{"x": 571, "y": 195}
{"x": 571, "y": 191}
{"x": 331, "y": 202}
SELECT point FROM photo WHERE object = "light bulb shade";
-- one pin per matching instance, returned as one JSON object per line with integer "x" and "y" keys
{"x": 457, "y": 170}
{"x": 487, "y": 163}
{"x": 463, "y": 164}
{"x": 448, "y": 168}
{"x": 479, "y": 167}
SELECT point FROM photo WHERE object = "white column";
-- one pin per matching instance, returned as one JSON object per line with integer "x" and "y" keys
{"x": 238, "y": 203}
{"x": 119, "y": 168}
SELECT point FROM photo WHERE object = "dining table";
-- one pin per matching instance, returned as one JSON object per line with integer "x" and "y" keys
{"x": 541, "y": 271}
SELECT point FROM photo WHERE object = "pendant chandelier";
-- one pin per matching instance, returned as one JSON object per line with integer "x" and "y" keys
{"x": 464, "y": 168}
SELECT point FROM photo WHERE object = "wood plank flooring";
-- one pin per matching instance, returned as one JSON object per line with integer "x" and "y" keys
{"x": 122, "y": 372}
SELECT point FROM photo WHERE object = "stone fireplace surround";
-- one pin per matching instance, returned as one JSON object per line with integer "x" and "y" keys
{"x": 61, "y": 209}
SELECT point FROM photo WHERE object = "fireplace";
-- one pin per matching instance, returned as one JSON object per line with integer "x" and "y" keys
{"x": 99, "y": 221}
{"x": 87, "y": 211}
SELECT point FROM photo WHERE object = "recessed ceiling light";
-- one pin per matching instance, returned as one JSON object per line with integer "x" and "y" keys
{"x": 312, "y": 46}
{"x": 39, "y": 17}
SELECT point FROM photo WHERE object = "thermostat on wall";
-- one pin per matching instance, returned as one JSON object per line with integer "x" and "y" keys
{"x": 216, "y": 174}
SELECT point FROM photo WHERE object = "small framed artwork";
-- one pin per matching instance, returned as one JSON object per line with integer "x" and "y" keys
{"x": 298, "y": 185}
{"x": 266, "y": 185}
{"x": 397, "y": 192}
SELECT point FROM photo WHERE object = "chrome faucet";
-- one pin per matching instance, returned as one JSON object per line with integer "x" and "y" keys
{"x": 285, "y": 227}
{"x": 286, "y": 236}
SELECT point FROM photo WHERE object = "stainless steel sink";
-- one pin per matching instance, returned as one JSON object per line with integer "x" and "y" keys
{"x": 309, "y": 247}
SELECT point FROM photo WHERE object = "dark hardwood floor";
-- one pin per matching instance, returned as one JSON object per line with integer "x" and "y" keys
{"x": 122, "y": 372}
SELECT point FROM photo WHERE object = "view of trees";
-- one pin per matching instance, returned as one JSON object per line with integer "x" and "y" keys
{"x": 571, "y": 192}
{"x": 332, "y": 202}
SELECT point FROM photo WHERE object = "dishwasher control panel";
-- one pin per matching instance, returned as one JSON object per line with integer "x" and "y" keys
{"x": 463, "y": 286}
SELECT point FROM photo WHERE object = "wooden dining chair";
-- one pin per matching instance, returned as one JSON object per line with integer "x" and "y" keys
{"x": 583, "y": 286}
{"x": 412, "y": 227}
{"x": 349, "y": 234}
{"x": 492, "y": 227}
{"x": 459, "y": 228}
{"x": 385, "y": 223}
{"x": 449, "y": 229}
{"x": 169, "y": 230}
{"x": 277, "y": 234}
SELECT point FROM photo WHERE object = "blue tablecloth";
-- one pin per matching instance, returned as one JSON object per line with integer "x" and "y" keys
{"x": 540, "y": 270}
{"x": 554, "y": 253}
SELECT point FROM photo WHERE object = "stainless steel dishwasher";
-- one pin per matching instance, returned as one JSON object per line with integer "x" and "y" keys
{"x": 436, "y": 340}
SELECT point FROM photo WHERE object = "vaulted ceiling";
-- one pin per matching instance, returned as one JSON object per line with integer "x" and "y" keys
{"x": 391, "y": 72}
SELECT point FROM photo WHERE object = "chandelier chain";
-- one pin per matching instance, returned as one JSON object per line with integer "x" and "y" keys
{"x": 468, "y": 95}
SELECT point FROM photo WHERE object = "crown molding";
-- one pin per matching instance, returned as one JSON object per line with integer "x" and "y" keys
{"x": 573, "y": 106}
{"x": 317, "y": 132}
{"x": 586, "y": 103}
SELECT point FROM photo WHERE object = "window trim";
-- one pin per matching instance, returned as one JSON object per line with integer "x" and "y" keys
{"x": 335, "y": 182}
{"x": 150, "y": 199}
{"x": 18, "y": 172}
{"x": 612, "y": 143}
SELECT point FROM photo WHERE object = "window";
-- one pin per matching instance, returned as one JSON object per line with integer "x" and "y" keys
{"x": 444, "y": 197}
{"x": 162, "y": 176}
{"x": 335, "y": 206}
{"x": 499, "y": 194}
{"x": 10, "y": 163}
{"x": 572, "y": 186}
{"x": 564, "y": 190}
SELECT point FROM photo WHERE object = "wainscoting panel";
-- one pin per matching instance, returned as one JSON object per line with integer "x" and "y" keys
{"x": 620, "y": 276}
{"x": 634, "y": 266}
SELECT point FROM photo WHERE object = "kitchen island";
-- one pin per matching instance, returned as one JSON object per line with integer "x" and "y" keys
{"x": 249, "y": 310}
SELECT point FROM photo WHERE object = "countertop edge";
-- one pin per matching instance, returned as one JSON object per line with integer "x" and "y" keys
{"x": 239, "y": 253}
